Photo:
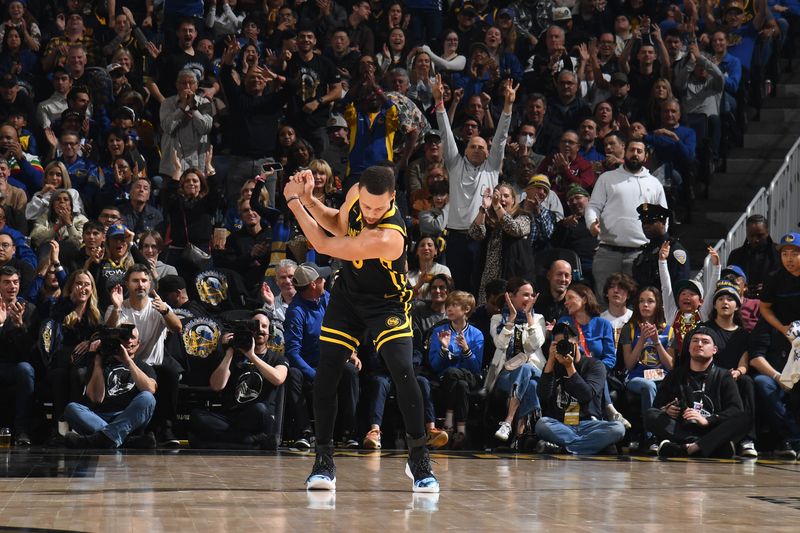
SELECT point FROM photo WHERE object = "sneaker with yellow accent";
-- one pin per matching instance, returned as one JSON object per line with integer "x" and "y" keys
{"x": 373, "y": 440}
{"x": 437, "y": 438}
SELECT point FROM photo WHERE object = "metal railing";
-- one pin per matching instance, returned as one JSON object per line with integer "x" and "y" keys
{"x": 779, "y": 203}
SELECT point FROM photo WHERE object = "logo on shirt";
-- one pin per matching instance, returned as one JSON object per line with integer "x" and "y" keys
{"x": 212, "y": 287}
{"x": 201, "y": 337}
{"x": 249, "y": 387}
{"x": 119, "y": 381}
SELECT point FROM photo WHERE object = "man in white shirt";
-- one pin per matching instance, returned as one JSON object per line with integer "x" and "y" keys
{"x": 152, "y": 317}
{"x": 470, "y": 174}
{"x": 612, "y": 215}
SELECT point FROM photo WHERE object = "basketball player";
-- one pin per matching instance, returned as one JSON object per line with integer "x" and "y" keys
{"x": 370, "y": 294}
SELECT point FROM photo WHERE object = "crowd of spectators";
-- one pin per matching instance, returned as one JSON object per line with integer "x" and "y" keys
{"x": 542, "y": 149}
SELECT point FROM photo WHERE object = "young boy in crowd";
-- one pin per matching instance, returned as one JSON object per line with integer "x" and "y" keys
{"x": 685, "y": 308}
{"x": 456, "y": 356}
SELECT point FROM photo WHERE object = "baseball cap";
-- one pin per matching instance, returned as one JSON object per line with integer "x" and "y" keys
{"x": 433, "y": 134}
{"x": 619, "y": 77}
{"x": 734, "y": 4}
{"x": 566, "y": 329}
{"x": 114, "y": 66}
{"x": 468, "y": 9}
{"x": 727, "y": 287}
{"x": 116, "y": 229}
{"x": 308, "y": 272}
{"x": 336, "y": 121}
{"x": 507, "y": 11}
{"x": 478, "y": 45}
{"x": 733, "y": 270}
{"x": 576, "y": 190}
{"x": 71, "y": 114}
{"x": 539, "y": 180}
{"x": 169, "y": 284}
{"x": 705, "y": 330}
{"x": 561, "y": 14}
{"x": 690, "y": 284}
{"x": 790, "y": 239}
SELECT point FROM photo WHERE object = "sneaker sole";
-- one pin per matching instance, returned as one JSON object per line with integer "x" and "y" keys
{"x": 321, "y": 484}
{"x": 414, "y": 487}
{"x": 372, "y": 445}
{"x": 503, "y": 438}
{"x": 439, "y": 441}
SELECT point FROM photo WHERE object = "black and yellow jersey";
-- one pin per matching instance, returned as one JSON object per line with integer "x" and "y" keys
{"x": 377, "y": 277}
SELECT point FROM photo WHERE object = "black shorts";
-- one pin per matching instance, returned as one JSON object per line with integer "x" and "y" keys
{"x": 349, "y": 315}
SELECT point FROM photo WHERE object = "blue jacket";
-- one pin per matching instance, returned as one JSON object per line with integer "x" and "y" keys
{"x": 471, "y": 360}
{"x": 680, "y": 152}
{"x": 599, "y": 337}
{"x": 24, "y": 250}
{"x": 301, "y": 329}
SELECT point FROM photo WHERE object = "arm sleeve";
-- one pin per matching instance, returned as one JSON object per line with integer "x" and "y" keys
{"x": 437, "y": 362}
{"x": 449, "y": 147}
{"x": 596, "y": 203}
{"x": 499, "y": 140}
{"x": 589, "y": 386}
{"x": 476, "y": 344}
{"x": 456, "y": 64}
{"x": 670, "y": 309}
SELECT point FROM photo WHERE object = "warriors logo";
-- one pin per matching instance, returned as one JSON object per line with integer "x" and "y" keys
{"x": 392, "y": 321}
{"x": 212, "y": 287}
{"x": 200, "y": 337}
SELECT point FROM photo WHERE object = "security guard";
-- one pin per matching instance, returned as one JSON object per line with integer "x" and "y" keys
{"x": 645, "y": 266}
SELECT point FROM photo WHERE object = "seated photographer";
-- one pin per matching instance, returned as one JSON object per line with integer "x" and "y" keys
{"x": 152, "y": 317}
{"x": 248, "y": 376}
{"x": 571, "y": 394}
{"x": 16, "y": 339}
{"x": 697, "y": 410}
{"x": 121, "y": 389}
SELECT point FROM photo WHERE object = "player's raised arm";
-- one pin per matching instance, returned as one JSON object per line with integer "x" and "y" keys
{"x": 333, "y": 220}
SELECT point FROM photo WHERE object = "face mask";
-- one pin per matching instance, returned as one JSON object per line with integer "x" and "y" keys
{"x": 526, "y": 140}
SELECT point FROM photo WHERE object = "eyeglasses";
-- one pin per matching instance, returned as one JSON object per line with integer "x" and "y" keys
{"x": 437, "y": 288}
{"x": 568, "y": 142}
{"x": 5, "y": 245}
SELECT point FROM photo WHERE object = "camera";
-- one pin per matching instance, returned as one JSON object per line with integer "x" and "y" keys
{"x": 111, "y": 339}
{"x": 244, "y": 332}
{"x": 564, "y": 348}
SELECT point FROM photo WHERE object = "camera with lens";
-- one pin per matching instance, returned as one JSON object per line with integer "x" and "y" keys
{"x": 112, "y": 339}
{"x": 244, "y": 332}
{"x": 565, "y": 348}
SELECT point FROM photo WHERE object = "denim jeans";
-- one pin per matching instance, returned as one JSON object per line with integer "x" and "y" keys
{"x": 588, "y": 437}
{"x": 523, "y": 381}
{"x": 21, "y": 376}
{"x": 115, "y": 425}
{"x": 646, "y": 389}
{"x": 770, "y": 398}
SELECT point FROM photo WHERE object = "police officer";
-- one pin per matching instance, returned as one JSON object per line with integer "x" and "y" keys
{"x": 645, "y": 266}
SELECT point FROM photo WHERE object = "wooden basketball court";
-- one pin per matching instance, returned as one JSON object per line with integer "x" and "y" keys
{"x": 186, "y": 490}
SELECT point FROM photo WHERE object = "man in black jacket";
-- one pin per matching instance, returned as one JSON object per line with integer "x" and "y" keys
{"x": 697, "y": 410}
{"x": 252, "y": 122}
{"x": 758, "y": 256}
{"x": 571, "y": 393}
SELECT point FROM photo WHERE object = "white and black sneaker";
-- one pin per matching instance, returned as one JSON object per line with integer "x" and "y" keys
{"x": 323, "y": 475}
{"x": 748, "y": 449}
{"x": 419, "y": 469}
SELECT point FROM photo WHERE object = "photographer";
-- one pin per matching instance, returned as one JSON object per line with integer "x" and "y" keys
{"x": 152, "y": 317}
{"x": 698, "y": 408}
{"x": 248, "y": 376}
{"x": 571, "y": 393}
{"x": 122, "y": 390}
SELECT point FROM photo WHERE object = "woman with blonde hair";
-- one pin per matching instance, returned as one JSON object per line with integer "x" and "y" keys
{"x": 56, "y": 176}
